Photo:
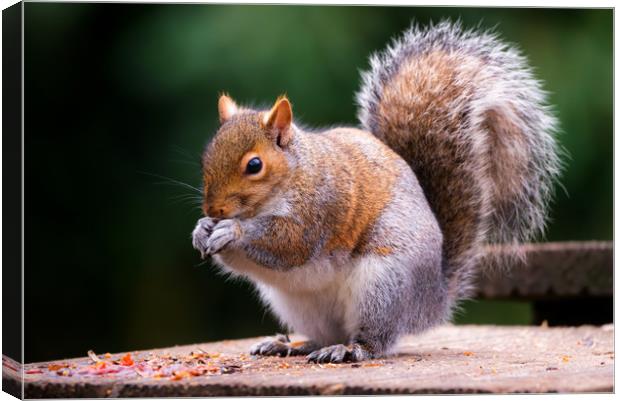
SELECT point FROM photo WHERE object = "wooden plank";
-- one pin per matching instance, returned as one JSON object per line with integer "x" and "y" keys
{"x": 551, "y": 270}
{"x": 448, "y": 359}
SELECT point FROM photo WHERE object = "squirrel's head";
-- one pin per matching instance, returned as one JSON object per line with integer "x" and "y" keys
{"x": 246, "y": 161}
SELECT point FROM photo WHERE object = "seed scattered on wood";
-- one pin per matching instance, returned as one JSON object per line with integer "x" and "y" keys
{"x": 93, "y": 356}
{"x": 54, "y": 367}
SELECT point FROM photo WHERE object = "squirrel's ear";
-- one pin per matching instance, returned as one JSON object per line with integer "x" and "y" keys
{"x": 279, "y": 119}
{"x": 227, "y": 108}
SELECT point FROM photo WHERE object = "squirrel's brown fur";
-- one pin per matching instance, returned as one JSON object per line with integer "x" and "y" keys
{"x": 231, "y": 193}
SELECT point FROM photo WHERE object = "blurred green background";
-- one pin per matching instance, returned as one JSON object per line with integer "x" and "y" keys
{"x": 117, "y": 94}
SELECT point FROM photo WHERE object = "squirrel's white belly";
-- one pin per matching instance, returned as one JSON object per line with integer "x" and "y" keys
{"x": 319, "y": 300}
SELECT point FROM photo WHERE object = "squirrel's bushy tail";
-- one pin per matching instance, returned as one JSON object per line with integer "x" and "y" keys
{"x": 466, "y": 113}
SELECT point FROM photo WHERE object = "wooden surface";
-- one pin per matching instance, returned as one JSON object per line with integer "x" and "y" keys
{"x": 448, "y": 359}
{"x": 552, "y": 270}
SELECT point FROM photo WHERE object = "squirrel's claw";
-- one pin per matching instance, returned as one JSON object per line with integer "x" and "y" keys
{"x": 338, "y": 353}
{"x": 281, "y": 345}
{"x": 272, "y": 347}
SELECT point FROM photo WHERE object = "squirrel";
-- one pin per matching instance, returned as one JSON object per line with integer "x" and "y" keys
{"x": 355, "y": 237}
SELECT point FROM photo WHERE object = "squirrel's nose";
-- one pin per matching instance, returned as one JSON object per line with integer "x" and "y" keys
{"x": 217, "y": 211}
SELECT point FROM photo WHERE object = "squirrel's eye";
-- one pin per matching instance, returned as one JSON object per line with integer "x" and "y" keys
{"x": 254, "y": 166}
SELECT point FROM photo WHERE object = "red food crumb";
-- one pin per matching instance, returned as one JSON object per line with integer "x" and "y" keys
{"x": 180, "y": 374}
{"x": 33, "y": 371}
{"x": 127, "y": 360}
{"x": 101, "y": 365}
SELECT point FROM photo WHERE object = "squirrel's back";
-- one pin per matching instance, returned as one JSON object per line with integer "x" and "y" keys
{"x": 464, "y": 110}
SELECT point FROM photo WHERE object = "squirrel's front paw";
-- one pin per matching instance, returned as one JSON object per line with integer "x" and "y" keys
{"x": 201, "y": 234}
{"x": 224, "y": 232}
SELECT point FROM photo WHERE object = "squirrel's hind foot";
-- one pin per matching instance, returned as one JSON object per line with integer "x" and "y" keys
{"x": 339, "y": 353}
{"x": 271, "y": 347}
{"x": 281, "y": 345}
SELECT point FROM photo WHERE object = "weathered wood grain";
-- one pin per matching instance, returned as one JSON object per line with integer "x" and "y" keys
{"x": 449, "y": 359}
{"x": 551, "y": 270}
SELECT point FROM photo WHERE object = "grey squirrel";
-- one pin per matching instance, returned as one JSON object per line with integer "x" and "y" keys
{"x": 354, "y": 237}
